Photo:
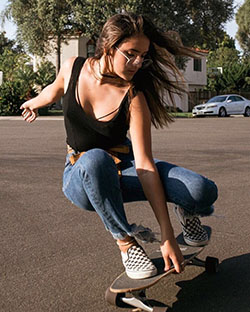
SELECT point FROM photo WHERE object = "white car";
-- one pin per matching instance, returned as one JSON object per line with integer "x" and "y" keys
{"x": 224, "y": 105}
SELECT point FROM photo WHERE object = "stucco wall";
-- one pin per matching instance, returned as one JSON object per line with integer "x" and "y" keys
{"x": 197, "y": 79}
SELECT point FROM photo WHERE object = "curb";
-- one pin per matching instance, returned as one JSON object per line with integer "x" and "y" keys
{"x": 41, "y": 118}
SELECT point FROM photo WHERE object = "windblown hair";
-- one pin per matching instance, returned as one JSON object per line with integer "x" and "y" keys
{"x": 161, "y": 80}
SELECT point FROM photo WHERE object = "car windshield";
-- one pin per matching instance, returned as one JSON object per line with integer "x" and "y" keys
{"x": 217, "y": 99}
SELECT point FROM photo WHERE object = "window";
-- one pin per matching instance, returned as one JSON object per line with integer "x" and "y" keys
{"x": 231, "y": 99}
{"x": 90, "y": 48}
{"x": 238, "y": 98}
{"x": 197, "y": 65}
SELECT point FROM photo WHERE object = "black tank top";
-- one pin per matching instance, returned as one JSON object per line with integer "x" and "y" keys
{"x": 83, "y": 131}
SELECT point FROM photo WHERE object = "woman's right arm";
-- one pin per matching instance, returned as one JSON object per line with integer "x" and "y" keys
{"x": 49, "y": 94}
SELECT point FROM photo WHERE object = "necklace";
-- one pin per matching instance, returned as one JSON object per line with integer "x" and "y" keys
{"x": 115, "y": 79}
{"x": 104, "y": 75}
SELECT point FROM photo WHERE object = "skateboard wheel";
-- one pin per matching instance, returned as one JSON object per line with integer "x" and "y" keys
{"x": 114, "y": 298}
{"x": 212, "y": 265}
{"x": 160, "y": 309}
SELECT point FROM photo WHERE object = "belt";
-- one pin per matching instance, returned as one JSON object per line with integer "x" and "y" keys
{"x": 113, "y": 152}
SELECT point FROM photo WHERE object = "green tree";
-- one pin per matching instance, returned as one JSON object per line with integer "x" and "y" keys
{"x": 225, "y": 54}
{"x": 207, "y": 19}
{"x": 6, "y": 43}
{"x": 41, "y": 24}
{"x": 234, "y": 69}
{"x": 199, "y": 22}
{"x": 243, "y": 21}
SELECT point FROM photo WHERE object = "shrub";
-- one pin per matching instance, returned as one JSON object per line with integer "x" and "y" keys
{"x": 20, "y": 82}
{"x": 12, "y": 95}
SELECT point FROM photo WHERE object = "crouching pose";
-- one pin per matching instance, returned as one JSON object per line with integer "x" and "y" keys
{"x": 121, "y": 88}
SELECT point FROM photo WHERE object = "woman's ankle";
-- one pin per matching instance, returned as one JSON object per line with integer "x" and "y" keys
{"x": 126, "y": 243}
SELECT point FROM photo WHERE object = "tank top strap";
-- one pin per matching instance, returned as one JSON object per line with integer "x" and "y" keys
{"x": 76, "y": 69}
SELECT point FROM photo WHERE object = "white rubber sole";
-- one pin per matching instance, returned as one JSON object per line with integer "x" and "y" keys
{"x": 195, "y": 243}
{"x": 141, "y": 275}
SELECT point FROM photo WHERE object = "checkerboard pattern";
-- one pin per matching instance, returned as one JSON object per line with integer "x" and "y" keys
{"x": 193, "y": 232}
{"x": 137, "y": 264}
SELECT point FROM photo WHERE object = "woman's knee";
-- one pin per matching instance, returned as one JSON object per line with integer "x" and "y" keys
{"x": 202, "y": 190}
{"x": 96, "y": 161}
{"x": 207, "y": 192}
{"x": 188, "y": 188}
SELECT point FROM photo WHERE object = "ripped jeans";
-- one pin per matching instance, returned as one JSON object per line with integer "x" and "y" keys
{"x": 92, "y": 183}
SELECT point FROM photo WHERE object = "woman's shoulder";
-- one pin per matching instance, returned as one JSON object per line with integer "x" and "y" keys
{"x": 138, "y": 101}
{"x": 68, "y": 64}
{"x": 137, "y": 95}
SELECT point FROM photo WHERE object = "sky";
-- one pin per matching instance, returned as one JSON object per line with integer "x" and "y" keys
{"x": 10, "y": 29}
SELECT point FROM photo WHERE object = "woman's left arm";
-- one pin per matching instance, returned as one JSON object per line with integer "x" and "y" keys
{"x": 140, "y": 132}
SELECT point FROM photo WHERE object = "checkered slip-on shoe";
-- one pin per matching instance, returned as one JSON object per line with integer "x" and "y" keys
{"x": 193, "y": 232}
{"x": 137, "y": 264}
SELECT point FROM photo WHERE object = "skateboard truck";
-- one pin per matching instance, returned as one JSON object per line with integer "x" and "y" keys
{"x": 138, "y": 300}
{"x": 211, "y": 264}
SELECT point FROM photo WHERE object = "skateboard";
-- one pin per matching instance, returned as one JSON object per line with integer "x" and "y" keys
{"x": 127, "y": 292}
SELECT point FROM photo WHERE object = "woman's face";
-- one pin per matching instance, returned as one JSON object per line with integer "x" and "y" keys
{"x": 129, "y": 55}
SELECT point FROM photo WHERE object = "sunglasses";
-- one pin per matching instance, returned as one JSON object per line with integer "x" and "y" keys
{"x": 132, "y": 60}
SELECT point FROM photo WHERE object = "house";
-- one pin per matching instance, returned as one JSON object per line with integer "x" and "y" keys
{"x": 195, "y": 77}
{"x": 195, "y": 74}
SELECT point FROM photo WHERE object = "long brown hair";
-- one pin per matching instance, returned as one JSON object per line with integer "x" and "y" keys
{"x": 161, "y": 80}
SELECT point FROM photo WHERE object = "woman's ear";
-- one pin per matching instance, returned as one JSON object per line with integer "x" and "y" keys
{"x": 110, "y": 52}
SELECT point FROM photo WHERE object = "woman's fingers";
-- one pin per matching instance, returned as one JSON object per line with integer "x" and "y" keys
{"x": 172, "y": 256}
{"x": 178, "y": 267}
{"x": 167, "y": 263}
{"x": 29, "y": 115}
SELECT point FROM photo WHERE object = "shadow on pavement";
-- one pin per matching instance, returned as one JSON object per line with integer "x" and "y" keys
{"x": 226, "y": 291}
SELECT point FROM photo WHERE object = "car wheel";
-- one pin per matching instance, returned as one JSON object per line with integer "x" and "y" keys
{"x": 247, "y": 112}
{"x": 222, "y": 112}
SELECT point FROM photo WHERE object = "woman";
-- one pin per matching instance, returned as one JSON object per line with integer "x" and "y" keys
{"x": 121, "y": 88}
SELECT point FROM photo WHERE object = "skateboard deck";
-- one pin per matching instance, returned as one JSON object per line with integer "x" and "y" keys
{"x": 125, "y": 284}
{"x": 132, "y": 292}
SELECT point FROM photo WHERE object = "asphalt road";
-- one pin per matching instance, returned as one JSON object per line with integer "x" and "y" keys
{"x": 55, "y": 257}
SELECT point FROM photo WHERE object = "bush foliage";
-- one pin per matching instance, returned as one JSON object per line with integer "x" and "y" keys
{"x": 20, "y": 82}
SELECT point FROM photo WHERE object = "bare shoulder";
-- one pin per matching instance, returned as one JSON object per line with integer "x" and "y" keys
{"x": 68, "y": 64}
{"x": 65, "y": 71}
{"x": 139, "y": 101}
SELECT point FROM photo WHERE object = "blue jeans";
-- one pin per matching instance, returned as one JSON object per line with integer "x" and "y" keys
{"x": 92, "y": 183}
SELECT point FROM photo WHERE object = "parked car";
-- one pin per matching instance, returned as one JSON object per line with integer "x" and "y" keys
{"x": 224, "y": 105}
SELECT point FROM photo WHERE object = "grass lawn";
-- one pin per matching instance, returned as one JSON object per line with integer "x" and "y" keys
{"x": 182, "y": 115}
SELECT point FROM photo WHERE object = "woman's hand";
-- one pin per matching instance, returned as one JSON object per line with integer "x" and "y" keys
{"x": 172, "y": 255}
{"x": 29, "y": 114}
